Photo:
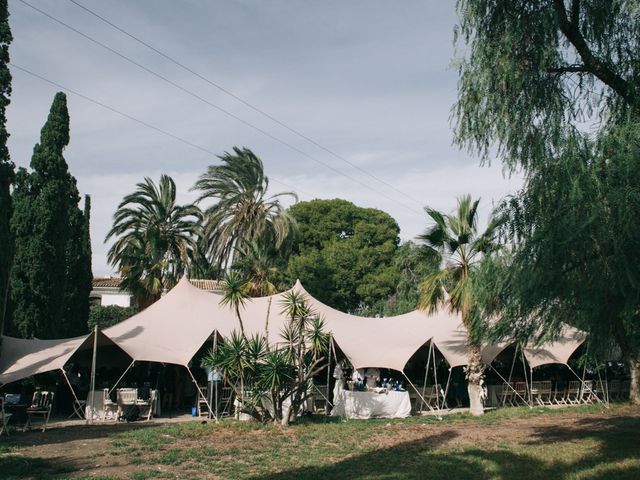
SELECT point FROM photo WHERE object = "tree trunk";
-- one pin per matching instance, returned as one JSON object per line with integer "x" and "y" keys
{"x": 475, "y": 380}
{"x": 634, "y": 391}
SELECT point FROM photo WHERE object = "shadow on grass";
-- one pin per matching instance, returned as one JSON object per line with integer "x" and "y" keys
{"x": 548, "y": 455}
{"x": 20, "y": 467}
{"x": 55, "y": 435}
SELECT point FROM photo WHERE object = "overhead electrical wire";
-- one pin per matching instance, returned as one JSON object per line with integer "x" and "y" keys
{"x": 229, "y": 93}
{"x": 134, "y": 119}
{"x": 218, "y": 108}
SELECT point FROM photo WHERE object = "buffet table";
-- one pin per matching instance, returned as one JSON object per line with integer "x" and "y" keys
{"x": 362, "y": 405}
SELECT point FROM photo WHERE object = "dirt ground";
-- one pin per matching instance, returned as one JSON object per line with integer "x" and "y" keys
{"x": 87, "y": 450}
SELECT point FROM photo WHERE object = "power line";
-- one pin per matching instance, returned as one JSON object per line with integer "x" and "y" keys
{"x": 243, "y": 101}
{"x": 217, "y": 107}
{"x": 134, "y": 119}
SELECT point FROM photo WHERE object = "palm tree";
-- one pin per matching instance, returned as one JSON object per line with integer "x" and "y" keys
{"x": 155, "y": 237}
{"x": 243, "y": 212}
{"x": 456, "y": 240}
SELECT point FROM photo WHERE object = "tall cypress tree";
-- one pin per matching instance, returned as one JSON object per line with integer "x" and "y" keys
{"x": 78, "y": 275}
{"x": 6, "y": 166}
{"x": 45, "y": 206}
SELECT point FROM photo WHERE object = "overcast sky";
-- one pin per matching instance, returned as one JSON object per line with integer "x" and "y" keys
{"x": 369, "y": 80}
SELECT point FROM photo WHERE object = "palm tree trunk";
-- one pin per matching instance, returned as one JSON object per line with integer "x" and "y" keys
{"x": 634, "y": 391}
{"x": 475, "y": 379}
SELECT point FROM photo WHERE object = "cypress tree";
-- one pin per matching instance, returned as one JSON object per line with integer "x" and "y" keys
{"x": 45, "y": 202}
{"x": 79, "y": 276}
{"x": 6, "y": 166}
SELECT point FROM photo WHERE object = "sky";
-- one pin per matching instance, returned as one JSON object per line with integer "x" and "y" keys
{"x": 372, "y": 82}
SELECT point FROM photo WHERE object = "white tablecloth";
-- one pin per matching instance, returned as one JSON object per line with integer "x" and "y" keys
{"x": 493, "y": 395}
{"x": 371, "y": 405}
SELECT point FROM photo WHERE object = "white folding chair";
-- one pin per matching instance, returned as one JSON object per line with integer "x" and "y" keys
{"x": 573, "y": 392}
{"x": 40, "y": 406}
{"x": 4, "y": 418}
{"x": 108, "y": 405}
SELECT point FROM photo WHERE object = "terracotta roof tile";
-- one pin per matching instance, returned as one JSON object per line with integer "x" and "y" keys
{"x": 114, "y": 282}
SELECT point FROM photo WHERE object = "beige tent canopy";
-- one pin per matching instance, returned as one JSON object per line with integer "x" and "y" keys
{"x": 555, "y": 352}
{"x": 22, "y": 358}
{"x": 173, "y": 329}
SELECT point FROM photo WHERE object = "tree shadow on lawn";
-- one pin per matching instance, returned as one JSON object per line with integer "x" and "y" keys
{"x": 55, "y": 435}
{"x": 21, "y": 467}
{"x": 617, "y": 439}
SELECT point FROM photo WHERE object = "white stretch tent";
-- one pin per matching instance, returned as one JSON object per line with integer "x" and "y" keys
{"x": 21, "y": 358}
{"x": 174, "y": 328}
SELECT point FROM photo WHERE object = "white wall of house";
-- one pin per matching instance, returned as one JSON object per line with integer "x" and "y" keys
{"x": 119, "y": 299}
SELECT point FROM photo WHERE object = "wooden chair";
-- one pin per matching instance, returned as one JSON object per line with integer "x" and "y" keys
{"x": 108, "y": 405}
{"x": 520, "y": 395}
{"x": 147, "y": 404}
{"x": 615, "y": 389}
{"x": 4, "y": 418}
{"x": 40, "y": 406}
{"x": 625, "y": 390}
{"x": 587, "y": 395}
{"x": 320, "y": 396}
{"x": 541, "y": 392}
{"x": 573, "y": 392}
{"x": 505, "y": 395}
{"x": 125, "y": 396}
{"x": 203, "y": 410}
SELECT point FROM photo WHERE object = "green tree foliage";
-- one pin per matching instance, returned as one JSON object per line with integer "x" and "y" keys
{"x": 535, "y": 73}
{"x": 46, "y": 223}
{"x": 533, "y": 68}
{"x": 6, "y": 166}
{"x": 78, "y": 270}
{"x": 412, "y": 262}
{"x": 456, "y": 240}
{"x": 109, "y": 315}
{"x": 243, "y": 211}
{"x": 155, "y": 238}
{"x": 344, "y": 254}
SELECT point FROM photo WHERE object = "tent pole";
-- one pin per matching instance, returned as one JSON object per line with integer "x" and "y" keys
{"x": 435, "y": 377}
{"x": 199, "y": 390}
{"x": 526, "y": 380}
{"x": 426, "y": 370}
{"x": 583, "y": 384}
{"x": 73, "y": 392}
{"x": 122, "y": 376}
{"x": 92, "y": 383}
{"x": 513, "y": 364}
{"x": 507, "y": 383}
{"x": 215, "y": 349}
{"x": 446, "y": 390}
{"x": 416, "y": 390}
{"x": 326, "y": 402}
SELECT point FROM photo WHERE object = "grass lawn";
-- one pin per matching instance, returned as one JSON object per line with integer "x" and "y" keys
{"x": 574, "y": 443}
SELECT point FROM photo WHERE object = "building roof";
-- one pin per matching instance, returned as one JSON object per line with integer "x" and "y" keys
{"x": 114, "y": 282}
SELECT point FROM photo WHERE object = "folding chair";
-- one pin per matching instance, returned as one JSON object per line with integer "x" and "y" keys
{"x": 108, "y": 405}
{"x": 615, "y": 388}
{"x": 147, "y": 404}
{"x": 541, "y": 392}
{"x": 587, "y": 395}
{"x": 203, "y": 410}
{"x": 574, "y": 392}
{"x": 320, "y": 398}
{"x": 40, "y": 406}
{"x": 520, "y": 394}
{"x": 78, "y": 409}
{"x": 625, "y": 390}
{"x": 505, "y": 395}
{"x": 4, "y": 418}
{"x": 125, "y": 396}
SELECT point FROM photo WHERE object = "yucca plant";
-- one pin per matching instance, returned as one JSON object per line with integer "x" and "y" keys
{"x": 274, "y": 374}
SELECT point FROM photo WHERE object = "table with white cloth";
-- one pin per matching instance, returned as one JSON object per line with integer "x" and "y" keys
{"x": 362, "y": 405}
